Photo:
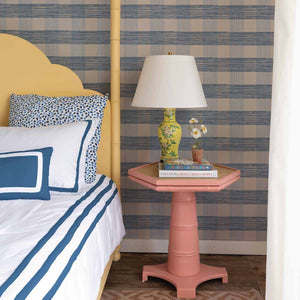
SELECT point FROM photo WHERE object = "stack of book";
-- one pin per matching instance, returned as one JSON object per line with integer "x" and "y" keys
{"x": 186, "y": 168}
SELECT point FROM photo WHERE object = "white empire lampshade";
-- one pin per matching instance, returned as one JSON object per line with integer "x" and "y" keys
{"x": 169, "y": 81}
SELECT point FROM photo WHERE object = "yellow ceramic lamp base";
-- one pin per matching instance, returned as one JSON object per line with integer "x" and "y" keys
{"x": 169, "y": 134}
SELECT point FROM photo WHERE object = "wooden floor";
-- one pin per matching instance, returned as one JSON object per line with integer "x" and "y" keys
{"x": 245, "y": 272}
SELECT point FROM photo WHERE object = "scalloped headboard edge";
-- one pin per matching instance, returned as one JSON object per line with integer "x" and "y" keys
{"x": 25, "y": 69}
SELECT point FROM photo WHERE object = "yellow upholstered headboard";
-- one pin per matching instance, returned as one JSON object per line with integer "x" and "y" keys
{"x": 26, "y": 70}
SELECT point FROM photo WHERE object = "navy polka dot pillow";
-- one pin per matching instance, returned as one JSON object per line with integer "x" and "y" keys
{"x": 34, "y": 111}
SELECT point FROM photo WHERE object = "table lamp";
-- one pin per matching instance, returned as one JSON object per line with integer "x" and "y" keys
{"x": 169, "y": 82}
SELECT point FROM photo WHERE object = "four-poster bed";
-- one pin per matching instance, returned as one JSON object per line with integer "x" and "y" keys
{"x": 26, "y": 70}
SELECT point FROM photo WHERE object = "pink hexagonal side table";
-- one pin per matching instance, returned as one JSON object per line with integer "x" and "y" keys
{"x": 183, "y": 268}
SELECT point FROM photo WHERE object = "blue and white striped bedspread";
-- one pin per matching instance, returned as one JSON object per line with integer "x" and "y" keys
{"x": 58, "y": 249}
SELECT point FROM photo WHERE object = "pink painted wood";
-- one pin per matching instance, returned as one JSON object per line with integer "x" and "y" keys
{"x": 183, "y": 268}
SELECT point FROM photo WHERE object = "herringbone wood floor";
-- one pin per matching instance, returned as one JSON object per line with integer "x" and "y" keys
{"x": 149, "y": 294}
{"x": 245, "y": 273}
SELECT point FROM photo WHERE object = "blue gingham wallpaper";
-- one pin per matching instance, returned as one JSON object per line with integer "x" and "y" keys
{"x": 232, "y": 41}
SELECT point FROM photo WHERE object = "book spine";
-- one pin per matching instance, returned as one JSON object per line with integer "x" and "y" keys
{"x": 187, "y": 167}
{"x": 165, "y": 173}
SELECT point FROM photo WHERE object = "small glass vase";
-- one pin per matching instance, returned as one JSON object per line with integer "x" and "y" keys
{"x": 197, "y": 155}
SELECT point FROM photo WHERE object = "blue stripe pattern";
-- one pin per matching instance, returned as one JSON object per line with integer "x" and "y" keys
{"x": 46, "y": 238}
{"x": 147, "y": 38}
{"x": 215, "y": 91}
{"x": 208, "y": 143}
{"x": 140, "y": 11}
{"x": 233, "y": 47}
{"x": 61, "y": 245}
{"x": 207, "y": 64}
{"x": 229, "y": 197}
{"x": 75, "y": 254}
{"x": 204, "y": 223}
{"x": 251, "y": 12}
{"x": 230, "y": 91}
{"x": 199, "y": 38}
{"x": 22, "y": 171}
{"x": 151, "y": 116}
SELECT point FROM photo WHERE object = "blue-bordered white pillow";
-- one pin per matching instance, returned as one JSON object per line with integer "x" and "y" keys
{"x": 69, "y": 143}
{"x": 34, "y": 111}
{"x": 25, "y": 174}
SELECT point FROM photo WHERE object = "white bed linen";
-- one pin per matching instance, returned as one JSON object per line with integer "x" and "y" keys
{"x": 24, "y": 223}
{"x": 69, "y": 142}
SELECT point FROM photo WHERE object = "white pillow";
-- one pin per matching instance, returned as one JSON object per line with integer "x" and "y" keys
{"x": 69, "y": 143}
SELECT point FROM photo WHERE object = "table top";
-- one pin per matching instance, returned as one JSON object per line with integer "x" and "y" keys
{"x": 147, "y": 175}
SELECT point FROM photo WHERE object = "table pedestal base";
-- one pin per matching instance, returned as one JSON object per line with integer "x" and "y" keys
{"x": 183, "y": 268}
{"x": 185, "y": 285}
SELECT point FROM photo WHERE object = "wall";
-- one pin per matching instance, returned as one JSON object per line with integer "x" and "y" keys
{"x": 233, "y": 44}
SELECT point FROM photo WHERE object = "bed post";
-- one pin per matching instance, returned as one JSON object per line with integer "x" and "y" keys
{"x": 115, "y": 17}
{"x": 115, "y": 8}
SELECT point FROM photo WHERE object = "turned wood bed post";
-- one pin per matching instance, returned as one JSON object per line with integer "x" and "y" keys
{"x": 115, "y": 11}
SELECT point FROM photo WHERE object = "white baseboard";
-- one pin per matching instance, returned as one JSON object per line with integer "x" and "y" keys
{"x": 206, "y": 247}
